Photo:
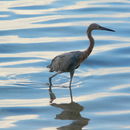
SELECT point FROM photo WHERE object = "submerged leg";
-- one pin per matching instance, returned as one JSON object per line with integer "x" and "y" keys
{"x": 52, "y": 95}
{"x": 71, "y": 77}
{"x": 50, "y": 82}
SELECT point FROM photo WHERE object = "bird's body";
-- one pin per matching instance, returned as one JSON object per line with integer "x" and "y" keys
{"x": 68, "y": 62}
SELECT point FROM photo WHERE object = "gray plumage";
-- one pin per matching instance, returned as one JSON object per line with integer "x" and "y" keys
{"x": 65, "y": 62}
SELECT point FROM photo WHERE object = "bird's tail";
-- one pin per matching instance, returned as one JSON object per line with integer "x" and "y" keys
{"x": 49, "y": 66}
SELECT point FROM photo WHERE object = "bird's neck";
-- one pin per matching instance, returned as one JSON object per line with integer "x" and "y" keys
{"x": 91, "y": 44}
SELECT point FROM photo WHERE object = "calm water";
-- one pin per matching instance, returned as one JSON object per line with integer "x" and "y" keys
{"x": 32, "y": 33}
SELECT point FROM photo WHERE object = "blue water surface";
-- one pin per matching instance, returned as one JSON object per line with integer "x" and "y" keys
{"x": 32, "y": 33}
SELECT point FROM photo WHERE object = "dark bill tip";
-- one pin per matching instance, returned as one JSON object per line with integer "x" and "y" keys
{"x": 107, "y": 29}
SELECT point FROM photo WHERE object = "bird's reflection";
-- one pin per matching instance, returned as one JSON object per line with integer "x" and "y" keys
{"x": 53, "y": 97}
{"x": 71, "y": 111}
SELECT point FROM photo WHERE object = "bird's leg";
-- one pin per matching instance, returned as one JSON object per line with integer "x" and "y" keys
{"x": 50, "y": 78}
{"x": 71, "y": 77}
{"x": 52, "y": 95}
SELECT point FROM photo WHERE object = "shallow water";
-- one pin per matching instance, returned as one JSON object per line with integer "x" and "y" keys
{"x": 32, "y": 33}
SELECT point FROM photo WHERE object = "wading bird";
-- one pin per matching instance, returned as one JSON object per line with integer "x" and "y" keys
{"x": 70, "y": 61}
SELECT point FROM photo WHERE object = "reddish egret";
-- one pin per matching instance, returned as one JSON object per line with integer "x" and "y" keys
{"x": 70, "y": 61}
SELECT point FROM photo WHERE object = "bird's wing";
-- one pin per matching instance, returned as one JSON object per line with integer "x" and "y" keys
{"x": 66, "y": 62}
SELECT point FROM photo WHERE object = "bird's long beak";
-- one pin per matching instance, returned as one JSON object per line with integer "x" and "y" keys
{"x": 107, "y": 29}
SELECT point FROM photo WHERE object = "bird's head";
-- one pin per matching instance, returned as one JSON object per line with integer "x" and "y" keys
{"x": 95, "y": 26}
